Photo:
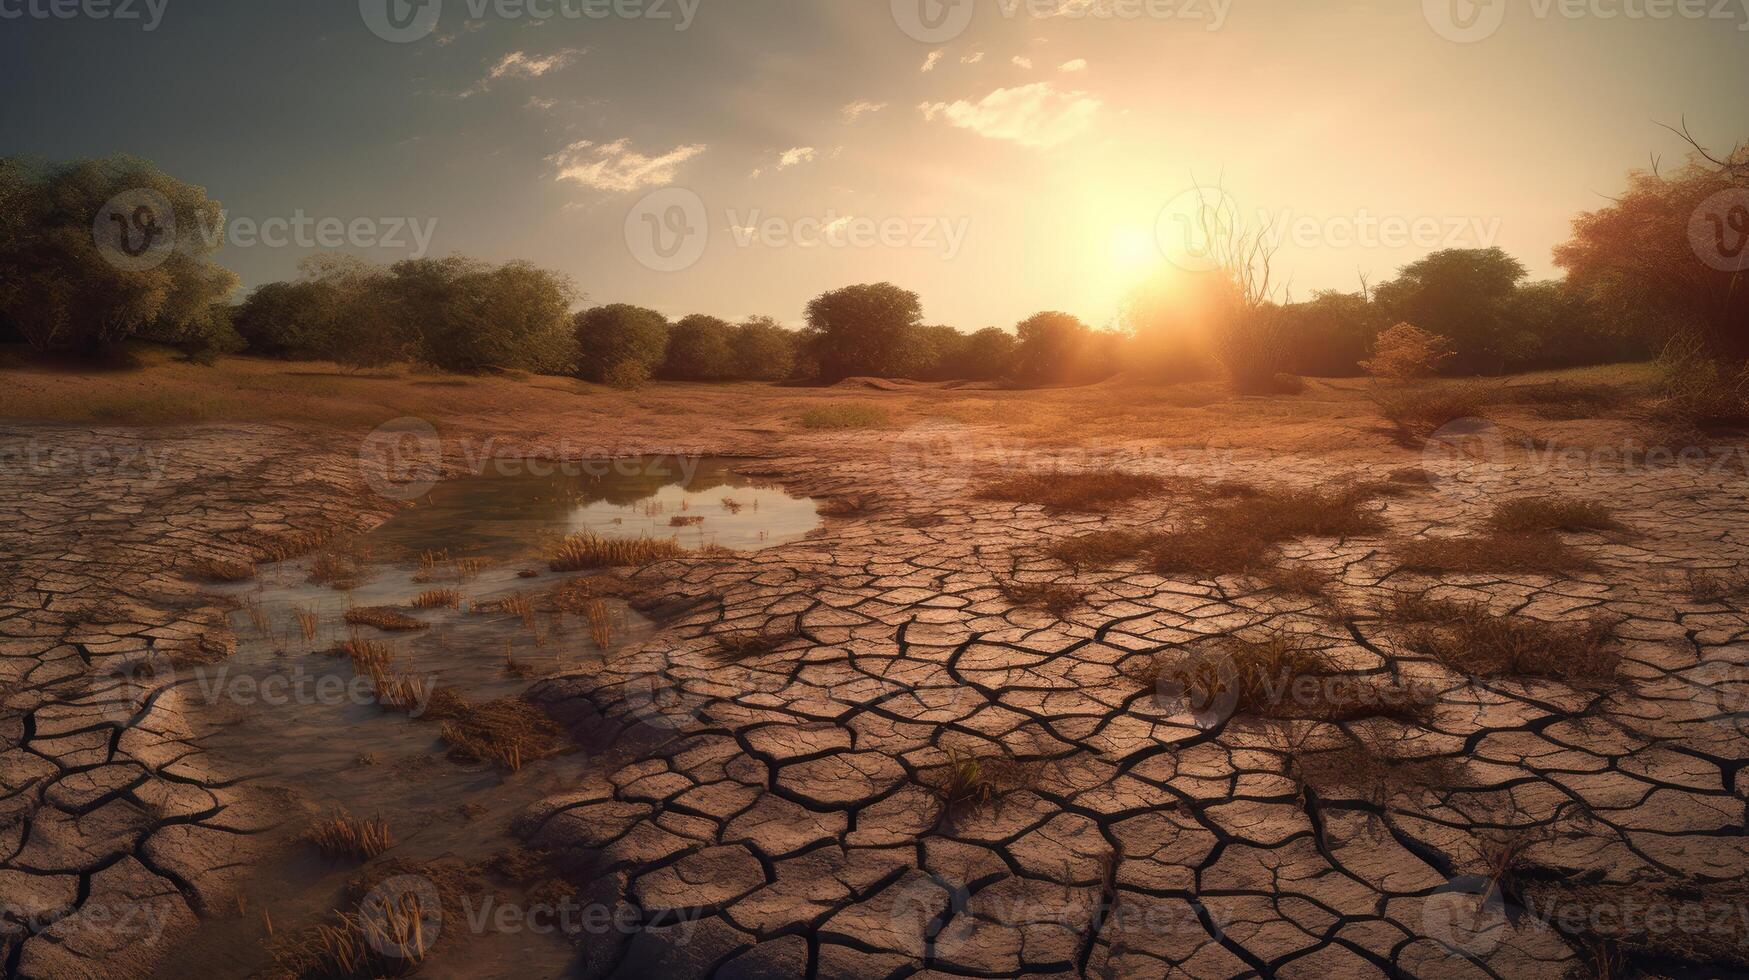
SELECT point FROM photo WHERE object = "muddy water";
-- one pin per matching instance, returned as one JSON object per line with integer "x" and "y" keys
{"x": 305, "y": 730}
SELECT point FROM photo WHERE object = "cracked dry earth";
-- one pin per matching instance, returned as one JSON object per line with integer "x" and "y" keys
{"x": 778, "y": 815}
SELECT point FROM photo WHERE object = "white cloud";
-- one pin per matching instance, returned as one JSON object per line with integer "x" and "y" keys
{"x": 1078, "y": 64}
{"x": 930, "y": 62}
{"x": 862, "y": 107}
{"x": 617, "y": 167}
{"x": 540, "y": 104}
{"x": 1022, "y": 62}
{"x": 1031, "y": 115}
{"x": 972, "y": 59}
{"x": 520, "y": 64}
{"x": 795, "y": 155}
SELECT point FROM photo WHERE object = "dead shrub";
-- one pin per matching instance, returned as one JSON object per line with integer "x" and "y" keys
{"x": 1470, "y": 639}
{"x": 1541, "y": 553}
{"x": 1717, "y": 586}
{"x": 1058, "y": 600}
{"x": 1405, "y": 352}
{"x": 588, "y": 550}
{"x": 1073, "y": 491}
{"x": 1281, "y": 676}
{"x": 510, "y": 733}
{"x": 1231, "y": 535}
{"x": 1419, "y": 412}
{"x": 343, "y": 835}
{"x": 1534, "y": 514}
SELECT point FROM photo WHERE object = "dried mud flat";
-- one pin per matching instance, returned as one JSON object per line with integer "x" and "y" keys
{"x": 781, "y": 810}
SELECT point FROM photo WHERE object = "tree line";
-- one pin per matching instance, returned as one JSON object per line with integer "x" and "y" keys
{"x": 1633, "y": 280}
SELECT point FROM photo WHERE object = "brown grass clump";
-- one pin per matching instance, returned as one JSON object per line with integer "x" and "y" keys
{"x": 1703, "y": 929}
{"x": 385, "y": 939}
{"x": 1420, "y": 411}
{"x": 1358, "y": 768}
{"x": 1533, "y": 514}
{"x": 308, "y": 620}
{"x": 588, "y": 550}
{"x": 520, "y": 606}
{"x": 336, "y": 570}
{"x": 1718, "y": 586}
{"x": 1537, "y": 553}
{"x": 509, "y": 733}
{"x": 1281, "y": 676}
{"x": 746, "y": 644}
{"x": 1297, "y": 580}
{"x": 438, "y": 599}
{"x": 573, "y": 594}
{"x": 346, "y": 836}
{"x": 967, "y": 780}
{"x": 1058, "y": 600}
{"x": 1074, "y": 491}
{"x": 686, "y": 520}
{"x": 385, "y": 618}
{"x": 1468, "y": 638}
{"x": 604, "y": 621}
{"x": 220, "y": 570}
{"x": 286, "y": 545}
{"x": 1231, "y": 535}
{"x": 1563, "y": 400}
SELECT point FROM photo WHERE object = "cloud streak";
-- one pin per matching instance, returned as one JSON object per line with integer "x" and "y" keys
{"x": 1035, "y": 115}
{"x": 617, "y": 167}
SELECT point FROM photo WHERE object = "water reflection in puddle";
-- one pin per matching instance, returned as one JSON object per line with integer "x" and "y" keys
{"x": 296, "y": 718}
{"x": 514, "y": 505}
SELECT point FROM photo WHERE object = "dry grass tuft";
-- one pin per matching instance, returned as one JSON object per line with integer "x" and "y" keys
{"x": 1074, "y": 491}
{"x": 385, "y": 939}
{"x": 967, "y": 780}
{"x": 438, "y": 599}
{"x": 308, "y": 620}
{"x": 286, "y": 545}
{"x": 1058, "y": 600}
{"x": 346, "y": 836}
{"x": 386, "y": 618}
{"x": 1562, "y": 400}
{"x": 1539, "y": 553}
{"x": 581, "y": 552}
{"x": 1297, "y": 580}
{"x": 1420, "y": 411}
{"x": 337, "y": 570}
{"x": 686, "y": 520}
{"x": 1358, "y": 768}
{"x": 1282, "y": 676}
{"x": 219, "y": 570}
{"x": 1534, "y": 514}
{"x": 604, "y": 621}
{"x": 1717, "y": 587}
{"x": 1231, "y": 535}
{"x": 509, "y": 733}
{"x": 1469, "y": 639}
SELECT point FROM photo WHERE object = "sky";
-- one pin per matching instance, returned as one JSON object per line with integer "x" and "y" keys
{"x": 999, "y": 157}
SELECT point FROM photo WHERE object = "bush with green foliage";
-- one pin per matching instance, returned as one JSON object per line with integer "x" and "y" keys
{"x": 1054, "y": 347}
{"x": 871, "y": 329}
{"x": 700, "y": 348}
{"x": 764, "y": 350}
{"x": 62, "y": 291}
{"x": 619, "y": 333}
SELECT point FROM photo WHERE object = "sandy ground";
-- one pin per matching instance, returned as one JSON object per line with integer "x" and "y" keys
{"x": 777, "y": 815}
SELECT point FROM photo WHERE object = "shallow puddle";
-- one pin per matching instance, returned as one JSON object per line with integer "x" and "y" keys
{"x": 296, "y": 719}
